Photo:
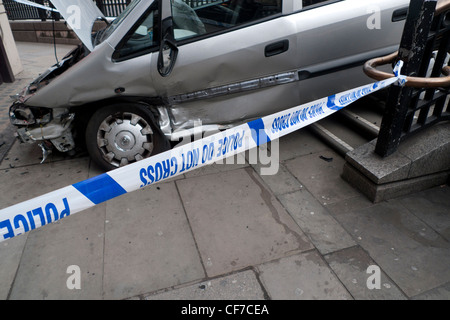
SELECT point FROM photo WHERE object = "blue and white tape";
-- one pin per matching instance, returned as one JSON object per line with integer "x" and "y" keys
{"x": 67, "y": 201}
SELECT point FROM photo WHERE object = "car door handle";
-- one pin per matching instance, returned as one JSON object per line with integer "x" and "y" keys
{"x": 276, "y": 48}
{"x": 400, "y": 14}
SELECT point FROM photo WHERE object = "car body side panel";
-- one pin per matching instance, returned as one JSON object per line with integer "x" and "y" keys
{"x": 235, "y": 109}
{"x": 340, "y": 38}
{"x": 231, "y": 58}
{"x": 342, "y": 30}
{"x": 95, "y": 78}
{"x": 320, "y": 39}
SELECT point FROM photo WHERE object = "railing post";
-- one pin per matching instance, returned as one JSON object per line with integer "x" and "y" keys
{"x": 42, "y": 13}
{"x": 412, "y": 46}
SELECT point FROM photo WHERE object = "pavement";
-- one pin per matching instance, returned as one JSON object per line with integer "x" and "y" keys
{"x": 223, "y": 232}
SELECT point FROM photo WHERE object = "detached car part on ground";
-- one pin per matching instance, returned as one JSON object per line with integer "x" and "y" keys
{"x": 163, "y": 66}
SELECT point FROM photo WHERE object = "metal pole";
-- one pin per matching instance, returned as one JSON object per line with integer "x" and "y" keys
{"x": 412, "y": 46}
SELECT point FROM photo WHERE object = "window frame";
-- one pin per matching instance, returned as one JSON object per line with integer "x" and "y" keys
{"x": 156, "y": 33}
{"x": 156, "y": 6}
{"x": 318, "y": 5}
{"x": 231, "y": 29}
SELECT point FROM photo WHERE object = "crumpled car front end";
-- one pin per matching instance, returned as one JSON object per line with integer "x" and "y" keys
{"x": 52, "y": 126}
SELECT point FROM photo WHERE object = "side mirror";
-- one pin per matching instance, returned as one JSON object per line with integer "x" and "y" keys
{"x": 168, "y": 50}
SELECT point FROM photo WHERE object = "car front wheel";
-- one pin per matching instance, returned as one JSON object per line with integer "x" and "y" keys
{"x": 121, "y": 134}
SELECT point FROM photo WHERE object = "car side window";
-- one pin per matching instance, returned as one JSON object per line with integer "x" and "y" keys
{"x": 141, "y": 38}
{"x": 193, "y": 18}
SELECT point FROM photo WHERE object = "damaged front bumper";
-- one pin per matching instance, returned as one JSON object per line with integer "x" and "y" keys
{"x": 43, "y": 124}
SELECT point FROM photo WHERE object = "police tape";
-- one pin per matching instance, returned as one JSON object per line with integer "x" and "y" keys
{"x": 53, "y": 206}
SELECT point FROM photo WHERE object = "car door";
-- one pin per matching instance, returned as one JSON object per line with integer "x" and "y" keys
{"x": 236, "y": 60}
{"x": 335, "y": 38}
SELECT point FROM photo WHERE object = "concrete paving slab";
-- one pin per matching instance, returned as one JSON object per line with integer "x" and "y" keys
{"x": 440, "y": 293}
{"x": 10, "y": 255}
{"x": 31, "y": 181}
{"x": 282, "y": 182}
{"x": 6, "y": 140}
{"x": 351, "y": 266}
{"x": 148, "y": 243}
{"x": 325, "y": 232}
{"x": 265, "y": 159}
{"x": 237, "y": 222}
{"x": 412, "y": 254}
{"x": 351, "y": 204}
{"x": 32, "y": 282}
{"x": 267, "y": 156}
{"x": 238, "y": 286}
{"x": 38, "y": 57}
{"x": 437, "y": 198}
{"x": 300, "y": 143}
{"x": 322, "y": 177}
{"x": 94, "y": 170}
{"x": 302, "y": 277}
{"x": 231, "y": 163}
{"x": 51, "y": 250}
{"x": 25, "y": 154}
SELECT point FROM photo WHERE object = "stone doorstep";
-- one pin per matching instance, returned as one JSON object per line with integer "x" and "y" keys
{"x": 425, "y": 153}
{"x": 380, "y": 192}
{"x": 421, "y": 162}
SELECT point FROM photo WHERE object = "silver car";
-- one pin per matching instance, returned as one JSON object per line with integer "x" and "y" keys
{"x": 163, "y": 67}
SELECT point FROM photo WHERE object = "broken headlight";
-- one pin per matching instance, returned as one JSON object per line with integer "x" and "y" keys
{"x": 21, "y": 115}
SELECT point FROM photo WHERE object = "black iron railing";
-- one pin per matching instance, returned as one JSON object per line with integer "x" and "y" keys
{"x": 19, "y": 11}
{"x": 424, "y": 101}
{"x": 110, "y": 8}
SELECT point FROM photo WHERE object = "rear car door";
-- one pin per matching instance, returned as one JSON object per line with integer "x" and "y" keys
{"x": 335, "y": 38}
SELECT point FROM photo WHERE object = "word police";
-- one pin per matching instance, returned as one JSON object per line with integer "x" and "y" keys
{"x": 33, "y": 219}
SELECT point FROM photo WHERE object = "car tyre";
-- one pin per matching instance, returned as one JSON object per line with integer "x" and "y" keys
{"x": 121, "y": 134}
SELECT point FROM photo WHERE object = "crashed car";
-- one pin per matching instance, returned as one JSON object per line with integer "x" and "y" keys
{"x": 163, "y": 67}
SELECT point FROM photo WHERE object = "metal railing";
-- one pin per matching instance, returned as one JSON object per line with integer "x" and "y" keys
{"x": 424, "y": 101}
{"x": 19, "y": 11}
{"x": 110, "y": 8}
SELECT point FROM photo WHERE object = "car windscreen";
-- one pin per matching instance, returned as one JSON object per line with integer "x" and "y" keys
{"x": 116, "y": 22}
